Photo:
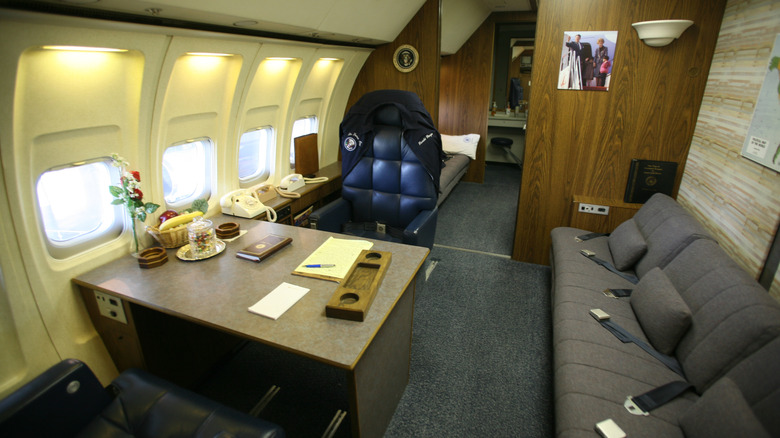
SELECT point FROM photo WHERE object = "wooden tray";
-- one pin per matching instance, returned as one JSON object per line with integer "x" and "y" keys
{"x": 355, "y": 294}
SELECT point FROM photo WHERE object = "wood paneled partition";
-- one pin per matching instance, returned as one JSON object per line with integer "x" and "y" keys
{"x": 378, "y": 73}
{"x": 465, "y": 87}
{"x": 582, "y": 142}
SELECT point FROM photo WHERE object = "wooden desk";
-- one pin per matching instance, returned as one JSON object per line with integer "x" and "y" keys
{"x": 216, "y": 293}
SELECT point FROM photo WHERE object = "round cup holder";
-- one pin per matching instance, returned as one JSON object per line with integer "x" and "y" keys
{"x": 373, "y": 256}
{"x": 349, "y": 298}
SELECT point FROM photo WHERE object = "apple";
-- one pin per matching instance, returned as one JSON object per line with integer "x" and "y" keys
{"x": 167, "y": 214}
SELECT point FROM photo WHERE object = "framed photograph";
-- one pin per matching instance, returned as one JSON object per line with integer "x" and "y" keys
{"x": 587, "y": 58}
{"x": 406, "y": 58}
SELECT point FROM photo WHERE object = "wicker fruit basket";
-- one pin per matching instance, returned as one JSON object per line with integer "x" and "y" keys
{"x": 173, "y": 238}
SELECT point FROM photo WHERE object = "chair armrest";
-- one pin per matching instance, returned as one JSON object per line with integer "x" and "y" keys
{"x": 422, "y": 230}
{"x": 331, "y": 216}
{"x": 146, "y": 405}
{"x": 59, "y": 402}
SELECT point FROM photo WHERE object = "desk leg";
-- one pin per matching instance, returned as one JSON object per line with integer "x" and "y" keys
{"x": 380, "y": 377}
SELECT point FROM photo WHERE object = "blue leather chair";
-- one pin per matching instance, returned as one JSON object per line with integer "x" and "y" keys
{"x": 389, "y": 188}
{"x": 67, "y": 400}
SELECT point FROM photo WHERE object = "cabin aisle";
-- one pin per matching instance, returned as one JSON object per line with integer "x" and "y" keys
{"x": 481, "y": 349}
{"x": 481, "y": 217}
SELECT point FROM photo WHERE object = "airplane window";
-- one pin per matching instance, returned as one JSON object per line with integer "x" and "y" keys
{"x": 253, "y": 152}
{"x": 186, "y": 169}
{"x": 304, "y": 126}
{"x": 74, "y": 201}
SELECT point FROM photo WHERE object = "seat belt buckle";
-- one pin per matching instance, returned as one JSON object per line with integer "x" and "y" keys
{"x": 381, "y": 228}
{"x": 609, "y": 429}
{"x": 577, "y": 239}
{"x": 633, "y": 408}
{"x": 587, "y": 253}
{"x": 599, "y": 314}
{"x": 608, "y": 293}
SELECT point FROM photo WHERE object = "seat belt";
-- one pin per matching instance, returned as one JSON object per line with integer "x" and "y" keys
{"x": 592, "y": 256}
{"x": 589, "y": 236}
{"x": 657, "y": 397}
{"x": 617, "y": 293}
{"x": 373, "y": 226}
{"x": 625, "y": 336}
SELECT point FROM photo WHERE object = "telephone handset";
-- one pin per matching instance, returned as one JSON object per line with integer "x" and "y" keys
{"x": 245, "y": 203}
{"x": 295, "y": 181}
{"x": 292, "y": 182}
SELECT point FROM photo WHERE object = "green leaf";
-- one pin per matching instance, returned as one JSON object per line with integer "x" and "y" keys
{"x": 151, "y": 207}
{"x": 116, "y": 191}
{"x": 201, "y": 205}
{"x": 773, "y": 64}
{"x": 142, "y": 216}
{"x": 117, "y": 202}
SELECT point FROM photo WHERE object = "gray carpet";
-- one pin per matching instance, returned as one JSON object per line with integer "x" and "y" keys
{"x": 482, "y": 216}
{"x": 481, "y": 351}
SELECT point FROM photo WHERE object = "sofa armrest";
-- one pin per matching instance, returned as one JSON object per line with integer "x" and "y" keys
{"x": 59, "y": 402}
{"x": 331, "y": 216}
{"x": 422, "y": 230}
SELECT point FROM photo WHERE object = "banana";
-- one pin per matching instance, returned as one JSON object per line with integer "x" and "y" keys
{"x": 179, "y": 220}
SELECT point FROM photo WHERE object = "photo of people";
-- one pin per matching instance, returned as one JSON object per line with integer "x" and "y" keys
{"x": 587, "y": 58}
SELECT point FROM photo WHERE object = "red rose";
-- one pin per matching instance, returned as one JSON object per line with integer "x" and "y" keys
{"x": 136, "y": 175}
{"x": 137, "y": 194}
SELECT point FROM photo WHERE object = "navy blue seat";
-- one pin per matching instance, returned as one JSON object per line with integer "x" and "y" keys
{"x": 67, "y": 400}
{"x": 389, "y": 193}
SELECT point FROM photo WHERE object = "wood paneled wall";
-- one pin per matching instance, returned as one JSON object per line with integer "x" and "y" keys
{"x": 424, "y": 33}
{"x": 581, "y": 142}
{"x": 465, "y": 88}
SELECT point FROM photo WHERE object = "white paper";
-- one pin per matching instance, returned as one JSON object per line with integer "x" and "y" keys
{"x": 339, "y": 252}
{"x": 279, "y": 300}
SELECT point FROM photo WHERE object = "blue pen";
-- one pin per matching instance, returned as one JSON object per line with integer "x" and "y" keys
{"x": 319, "y": 266}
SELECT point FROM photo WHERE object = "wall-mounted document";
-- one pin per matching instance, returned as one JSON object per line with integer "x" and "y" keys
{"x": 341, "y": 253}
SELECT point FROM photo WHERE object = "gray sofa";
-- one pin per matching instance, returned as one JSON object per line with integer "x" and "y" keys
{"x": 692, "y": 302}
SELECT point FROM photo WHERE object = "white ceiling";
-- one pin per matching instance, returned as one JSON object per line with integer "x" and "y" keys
{"x": 370, "y": 22}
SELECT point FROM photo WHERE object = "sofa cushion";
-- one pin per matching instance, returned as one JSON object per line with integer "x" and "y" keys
{"x": 661, "y": 311}
{"x": 667, "y": 228}
{"x": 627, "y": 245}
{"x": 723, "y": 298}
{"x": 721, "y": 412}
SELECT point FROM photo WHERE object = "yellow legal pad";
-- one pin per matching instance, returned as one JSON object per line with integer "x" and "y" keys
{"x": 339, "y": 252}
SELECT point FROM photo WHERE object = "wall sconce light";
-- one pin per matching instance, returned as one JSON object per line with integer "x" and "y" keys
{"x": 659, "y": 33}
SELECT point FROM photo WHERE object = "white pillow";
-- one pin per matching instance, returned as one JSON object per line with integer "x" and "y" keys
{"x": 460, "y": 144}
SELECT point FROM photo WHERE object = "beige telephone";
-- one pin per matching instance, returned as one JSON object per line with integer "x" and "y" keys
{"x": 293, "y": 182}
{"x": 245, "y": 203}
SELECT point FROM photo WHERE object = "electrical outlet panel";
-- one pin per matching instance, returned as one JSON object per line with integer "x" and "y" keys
{"x": 110, "y": 307}
{"x": 594, "y": 209}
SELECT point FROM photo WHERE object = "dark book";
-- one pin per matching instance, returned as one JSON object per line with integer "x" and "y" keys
{"x": 263, "y": 248}
{"x": 648, "y": 177}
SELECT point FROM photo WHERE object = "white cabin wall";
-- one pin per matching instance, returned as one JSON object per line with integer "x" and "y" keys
{"x": 139, "y": 103}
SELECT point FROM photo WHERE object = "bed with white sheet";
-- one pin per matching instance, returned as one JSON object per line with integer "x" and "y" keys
{"x": 460, "y": 150}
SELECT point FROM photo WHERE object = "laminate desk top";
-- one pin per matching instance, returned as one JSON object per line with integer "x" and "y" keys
{"x": 218, "y": 291}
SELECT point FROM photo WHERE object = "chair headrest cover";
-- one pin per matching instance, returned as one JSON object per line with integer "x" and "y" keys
{"x": 389, "y": 107}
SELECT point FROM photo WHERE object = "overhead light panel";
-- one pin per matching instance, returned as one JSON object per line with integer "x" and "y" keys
{"x": 208, "y": 54}
{"x": 83, "y": 49}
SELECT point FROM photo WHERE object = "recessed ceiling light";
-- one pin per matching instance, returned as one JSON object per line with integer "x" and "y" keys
{"x": 246, "y": 23}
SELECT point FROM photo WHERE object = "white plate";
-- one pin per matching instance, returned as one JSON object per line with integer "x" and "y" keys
{"x": 184, "y": 252}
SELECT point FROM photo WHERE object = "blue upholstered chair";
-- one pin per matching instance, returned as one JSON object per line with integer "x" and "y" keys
{"x": 388, "y": 192}
{"x": 67, "y": 400}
